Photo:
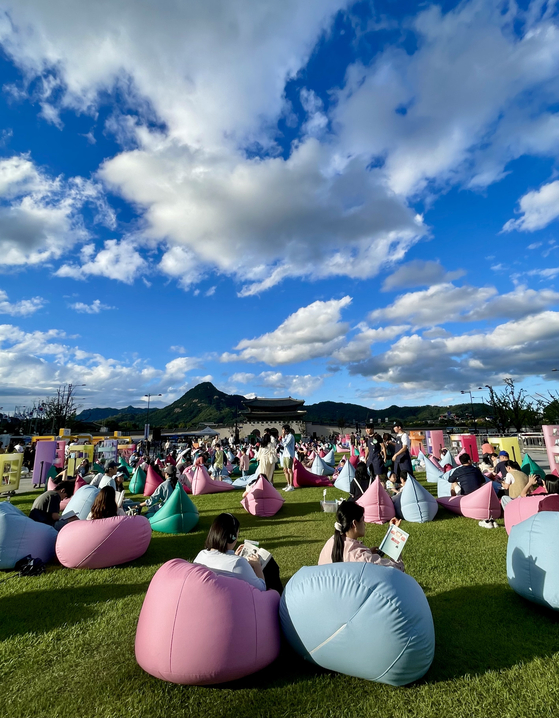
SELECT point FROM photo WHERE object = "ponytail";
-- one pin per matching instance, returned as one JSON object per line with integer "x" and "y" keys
{"x": 348, "y": 512}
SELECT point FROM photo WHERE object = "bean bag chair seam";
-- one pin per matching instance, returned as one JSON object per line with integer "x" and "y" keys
{"x": 177, "y": 605}
{"x": 327, "y": 640}
{"x": 255, "y": 627}
{"x": 98, "y": 546}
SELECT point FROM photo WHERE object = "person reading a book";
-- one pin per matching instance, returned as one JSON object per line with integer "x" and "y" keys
{"x": 346, "y": 545}
{"x": 219, "y": 554}
{"x": 105, "y": 505}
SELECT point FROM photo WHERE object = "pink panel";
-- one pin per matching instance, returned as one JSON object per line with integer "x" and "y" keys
{"x": 303, "y": 477}
{"x": 435, "y": 441}
{"x": 263, "y": 499}
{"x": 481, "y": 504}
{"x": 469, "y": 444}
{"x": 103, "y": 542}
{"x": 202, "y": 483}
{"x": 153, "y": 480}
{"x": 523, "y": 507}
{"x": 199, "y": 628}
{"x": 379, "y": 507}
{"x": 551, "y": 446}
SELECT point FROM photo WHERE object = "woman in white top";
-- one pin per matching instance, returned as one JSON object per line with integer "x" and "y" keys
{"x": 220, "y": 556}
{"x": 267, "y": 458}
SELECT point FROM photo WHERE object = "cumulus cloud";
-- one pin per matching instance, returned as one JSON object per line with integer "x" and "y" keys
{"x": 418, "y": 273}
{"x": 23, "y": 308}
{"x": 448, "y": 303}
{"x": 34, "y": 364}
{"x": 538, "y": 208}
{"x": 117, "y": 260}
{"x": 359, "y": 347}
{"x": 96, "y": 307}
{"x": 312, "y": 331}
{"x": 40, "y": 215}
{"x": 518, "y": 348}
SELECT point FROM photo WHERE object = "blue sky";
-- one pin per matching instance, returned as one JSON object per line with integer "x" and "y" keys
{"x": 334, "y": 201}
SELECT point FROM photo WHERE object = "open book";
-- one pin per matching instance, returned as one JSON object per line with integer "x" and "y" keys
{"x": 252, "y": 548}
{"x": 393, "y": 543}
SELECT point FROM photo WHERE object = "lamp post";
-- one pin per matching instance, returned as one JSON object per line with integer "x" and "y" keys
{"x": 146, "y": 426}
{"x": 467, "y": 391}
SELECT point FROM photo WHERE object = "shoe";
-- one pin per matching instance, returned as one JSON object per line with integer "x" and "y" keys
{"x": 290, "y": 488}
{"x": 285, "y": 488}
{"x": 487, "y": 524}
{"x": 495, "y": 524}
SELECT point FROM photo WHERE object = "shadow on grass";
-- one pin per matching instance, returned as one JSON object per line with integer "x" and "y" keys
{"x": 488, "y": 628}
{"x": 41, "y": 611}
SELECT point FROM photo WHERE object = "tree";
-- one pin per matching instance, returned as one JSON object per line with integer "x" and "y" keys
{"x": 512, "y": 407}
{"x": 60, "y": 410}
{"x": 341, "y": 422}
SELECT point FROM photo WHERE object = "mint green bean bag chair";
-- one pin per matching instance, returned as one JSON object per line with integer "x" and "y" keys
{"x": 178, "y": 515}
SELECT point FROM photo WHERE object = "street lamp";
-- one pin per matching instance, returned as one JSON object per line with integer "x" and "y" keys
{"x": 467, "y": 391}
{"x": 146, "y": 427}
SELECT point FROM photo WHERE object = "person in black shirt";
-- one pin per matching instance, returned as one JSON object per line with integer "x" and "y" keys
{"x": 467, "y": 476}
{"x": 46, "y": 507}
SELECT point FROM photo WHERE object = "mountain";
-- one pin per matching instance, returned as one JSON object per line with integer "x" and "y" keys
{"x": 99, "y": 414}
{"x": 206, "y": 404}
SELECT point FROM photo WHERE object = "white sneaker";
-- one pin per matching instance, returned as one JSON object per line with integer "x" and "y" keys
{"x": 290, "y": 488}
{"x": 487, "y": 524}
{"x": 285, "y": 488}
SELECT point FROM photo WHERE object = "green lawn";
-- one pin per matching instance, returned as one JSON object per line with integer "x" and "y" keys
{"x": 68, "y": 636}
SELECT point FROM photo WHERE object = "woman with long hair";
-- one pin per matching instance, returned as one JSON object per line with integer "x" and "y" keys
{"x": 346, "y": 545}
{"x": 267, "y": 458}
{"x": 104, "y": 506}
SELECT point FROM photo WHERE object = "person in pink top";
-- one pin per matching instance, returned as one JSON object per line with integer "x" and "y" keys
{"x": 244, "y": 462}
{"x": 345, "y": 544}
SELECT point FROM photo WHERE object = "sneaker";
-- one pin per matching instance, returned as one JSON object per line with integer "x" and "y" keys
{"x": 487, "y": 524}
{"x": 290, "y": 488}
{"x": 495, "y": 524}
{"x": 285, "y": 488}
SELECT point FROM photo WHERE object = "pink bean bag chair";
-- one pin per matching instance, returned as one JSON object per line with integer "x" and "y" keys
{"x": 481, "y": 504}
{"x": 51, "y": 486}
{"x": 354, "y": 461}
{"x": 322, "y": 453}
{"x": 262, "y": 499}
{"x": 103, "y": 542}
{"x": 64, "y": 503}
{"x": 200, "y": 628}
{"x": 153, "y": 480}
{"x": 79, "y": 483}
{"x": 202, "y": 483}
{"x": 303, "y": 477}
{"x": 523, "y": 507}
{"x": 379, "y": 507}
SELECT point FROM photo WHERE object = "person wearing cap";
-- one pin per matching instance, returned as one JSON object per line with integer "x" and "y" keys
{"x": 111, "y": 469}
{"x": 402, "y": 459}
{"x": 162, "y": 492}
{"x": 500, "y": 464}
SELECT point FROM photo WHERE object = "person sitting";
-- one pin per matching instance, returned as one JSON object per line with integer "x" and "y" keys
{"x": 161, "y": 493}
{"x": 500, "y": 464}
{"x": 360, "y": 482}
{"x": 46, "y": 507}
{"x": 345, "y": 545}
{"x": 83, "y": 468}
{"x": 105, "y": 506}
{"x": 515, "y": 481}
{"x": 111, "y": 467}
{"x": 220, "y": 556}
{"x": 467, "y": 478}
{"x": 550, "y": 483}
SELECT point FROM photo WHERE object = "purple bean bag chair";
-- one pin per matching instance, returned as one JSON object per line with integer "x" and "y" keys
{"x": 202, "y": 483}
{"x": 101, "y": 543}
{"x": 379, "y": 507}
{"x": 303, "y": 477}
{"x": 523, "y": 507}
{"x": 197, "y": 627}
{"x": 153, "y": 480}
{"x": 262, "y": 499}
{"x": 481, "y": 504}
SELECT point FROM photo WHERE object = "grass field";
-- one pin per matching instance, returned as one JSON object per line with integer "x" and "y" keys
{"x": 67, "y": 637}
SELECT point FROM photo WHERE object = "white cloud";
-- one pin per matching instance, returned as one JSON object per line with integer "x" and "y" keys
{"x": 292, "y": 385}
{"x": 178, "y": 349}
{"x": 96, "y": 307}
{"x": 210, "y": 292}
{"x": 34, "y": 364}
{"x": 23, "y": 308}
{"x": 418, "y": 273}
{"x": 359, "y": 347}
{"x": 40, "y": 215}
{"x": 312, "y": 331}
{"x": 538, "y": 208}
{"x": 241, "y": 377}
{"x": 447, "y": 303}
{"x": 518, "y": 348}
{"x": 117, "y": 260}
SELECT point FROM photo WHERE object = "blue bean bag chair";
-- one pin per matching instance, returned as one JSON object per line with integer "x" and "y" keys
{"x": 532, "y": 566}
{"x": 345, "y": 477}
{"x": 81, "y": 502}
{"x": 414, "y": 503}
{"x": 21, "y": 536}
{"x": 360, "y": 619}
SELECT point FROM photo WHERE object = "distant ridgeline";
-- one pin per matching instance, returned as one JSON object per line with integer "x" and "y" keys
{"x": 206, "y": 404}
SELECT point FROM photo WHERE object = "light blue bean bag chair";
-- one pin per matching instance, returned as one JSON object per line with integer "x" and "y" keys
{"x": 433, "y": 474}
{"x": 345, "y": 477}
{"x": 532, "y": 565}
{"x": 321, "y": 468}
{"x": 81, "y": 502}
{"x": 360, "y": 619}
{"x": 330, "y": 458}
{"x": 444, "y": 486}
{"x": 20, "y": 536}
{"x": 414, "y": 503}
